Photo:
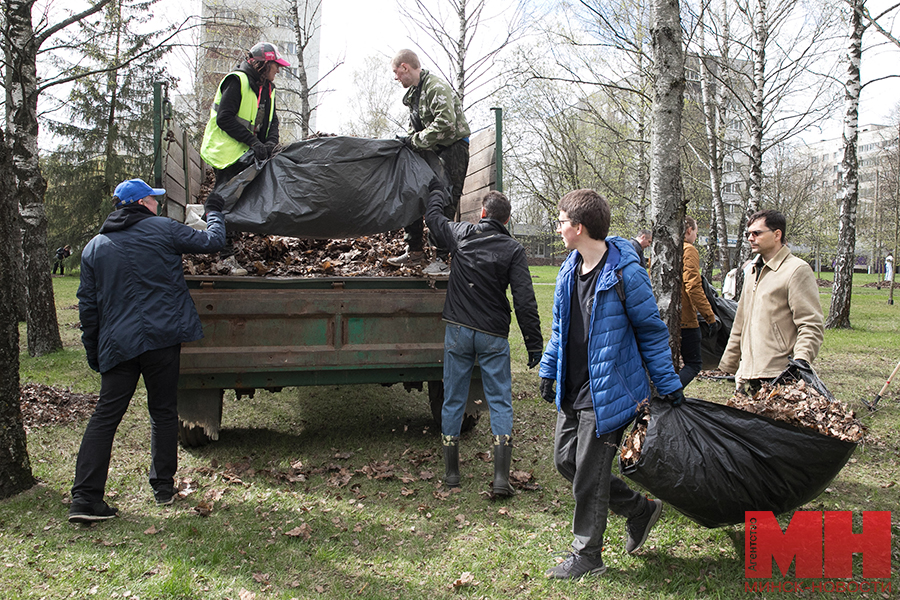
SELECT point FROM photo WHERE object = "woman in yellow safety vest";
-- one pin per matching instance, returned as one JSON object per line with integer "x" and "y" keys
{"x": 243, "y": 117}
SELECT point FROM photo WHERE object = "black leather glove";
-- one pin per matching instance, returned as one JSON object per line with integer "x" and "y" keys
{"x": 676, "y": 398}
{"x": 714, "y": 328}
{"x": 260, "y": 151}
{"x": 534, "y": 359}
{"x": 215, "y": 202}
{"x": 547, "y": 392}
{"x": 803, "y": 364}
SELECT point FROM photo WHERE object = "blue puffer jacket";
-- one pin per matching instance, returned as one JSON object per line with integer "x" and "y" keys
{"x": 620, "y": 346}
{"x": 133, "y": 297}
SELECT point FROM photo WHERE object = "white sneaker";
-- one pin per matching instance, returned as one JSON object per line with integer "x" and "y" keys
{"x": 438, "y": 267}
{"x": 235, "y": 269}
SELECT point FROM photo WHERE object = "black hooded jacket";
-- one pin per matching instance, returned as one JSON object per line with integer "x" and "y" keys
{"x": 486, "y": 261}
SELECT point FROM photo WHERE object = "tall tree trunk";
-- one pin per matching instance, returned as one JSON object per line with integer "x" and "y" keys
{"x": 304, "y": 13}
{"x": 839, "y": 313}
{"x": 461, "y": 51}
{"x": 21, "y": 106}
{"x": 714, "y": 164}
{"x": 15, "y": 467}
{"x": 666, "y": 188}
{"x": 17, "y": 275}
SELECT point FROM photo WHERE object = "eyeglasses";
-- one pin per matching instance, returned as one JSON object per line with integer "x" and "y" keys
{"x": 559, "y": 222}
{"x": 754, "y": 234}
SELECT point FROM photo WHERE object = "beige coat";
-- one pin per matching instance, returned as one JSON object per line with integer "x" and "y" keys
{"x": 778, "y": 317}
{"x": 693, "y": 298}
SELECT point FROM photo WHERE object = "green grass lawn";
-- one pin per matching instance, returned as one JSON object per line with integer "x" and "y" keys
{"x": 296, "y": 508}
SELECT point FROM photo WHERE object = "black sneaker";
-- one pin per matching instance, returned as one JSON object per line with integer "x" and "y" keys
{"x": 86, "y": 512}
{"x": 638, "y": 528}
{"x": 164, "y": 499}
{"x": 577, "y": 566}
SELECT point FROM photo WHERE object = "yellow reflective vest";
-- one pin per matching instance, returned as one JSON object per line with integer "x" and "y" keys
{"x": 219, "y": 149}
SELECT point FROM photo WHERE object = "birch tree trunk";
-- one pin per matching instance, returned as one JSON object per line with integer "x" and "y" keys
{"x": 667, "y": 202}
{"x": 15, "y": 467}
{"x": 710, "y": 118}
{"x": 839, "y": 313}
{"x": 21, "y": 106}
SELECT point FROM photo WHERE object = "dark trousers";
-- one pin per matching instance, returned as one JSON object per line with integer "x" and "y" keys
{"x": 455, "y": 159}
{"x": 160, "y": 370}
{"x": 61, "y": 266}
{"x": 585, "y": 460}
{"x": 223, "y": 176}
{"x": 691, "y": 354}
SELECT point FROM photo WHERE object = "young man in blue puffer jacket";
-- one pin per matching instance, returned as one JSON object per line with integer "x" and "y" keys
{"x": 604, "y": 342}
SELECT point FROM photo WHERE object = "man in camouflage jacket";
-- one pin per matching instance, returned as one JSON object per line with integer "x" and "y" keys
{"x": 437, "y": 123}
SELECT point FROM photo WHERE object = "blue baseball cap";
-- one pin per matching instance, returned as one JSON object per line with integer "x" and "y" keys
{"x": 134, "y": 190}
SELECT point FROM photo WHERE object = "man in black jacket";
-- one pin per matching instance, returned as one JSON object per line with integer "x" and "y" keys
{"x": 486, "y": 260}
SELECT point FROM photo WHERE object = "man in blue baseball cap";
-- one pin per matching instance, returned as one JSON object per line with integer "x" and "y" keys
{"x": 136, "y": 312}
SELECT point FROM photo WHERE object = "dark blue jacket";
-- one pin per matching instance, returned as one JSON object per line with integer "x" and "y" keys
{"x": 620, "y": 346}
{"x": 133, "y": 297}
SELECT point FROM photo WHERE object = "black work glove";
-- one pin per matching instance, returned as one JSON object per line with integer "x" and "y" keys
{"x": 802, "y": 364}
{"x": 534, "y": 359}
{"x": 714, "y": 328}
{"x": 215, "y": 202}
{"x": 547, "y": 392}
{"x": 271, "y": 145}
{"x": 676, "y": 398}
{"x": 260, "y": 152}
{"x": 404, "y": 139}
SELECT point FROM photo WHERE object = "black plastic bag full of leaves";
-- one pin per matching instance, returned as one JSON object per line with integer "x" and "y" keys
{"x": 712, "y": 347}
{"x": 713, "y": 463}
{"x": 329, "y": 187}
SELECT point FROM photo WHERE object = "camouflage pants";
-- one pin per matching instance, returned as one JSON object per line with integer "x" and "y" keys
{"x": 455, "y": 159}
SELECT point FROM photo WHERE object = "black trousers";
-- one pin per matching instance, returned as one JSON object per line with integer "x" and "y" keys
{"x": 455, "y": 159}
{"x": 160, "y": 371}
{"x": 691, "y": 353}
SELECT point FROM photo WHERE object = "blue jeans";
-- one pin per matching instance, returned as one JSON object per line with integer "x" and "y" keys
{"x": 462, "y": 346}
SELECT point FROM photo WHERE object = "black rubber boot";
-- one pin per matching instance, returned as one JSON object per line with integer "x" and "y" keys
{"x": 451, "y": 460}
{"x": 502, "y": 460}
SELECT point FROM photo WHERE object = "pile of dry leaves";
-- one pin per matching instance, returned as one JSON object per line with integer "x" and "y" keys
{"x": 631, "y": 447}
{"x": 47, "y": 405}
{"x": 278, "y": 256}
{"x": 801, "y": 405}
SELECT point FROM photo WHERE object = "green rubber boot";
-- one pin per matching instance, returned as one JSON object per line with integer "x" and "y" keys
{"x": 451, "y": 460}
{"x": 502, "y": 460}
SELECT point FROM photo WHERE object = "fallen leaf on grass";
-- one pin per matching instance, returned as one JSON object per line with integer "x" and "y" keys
{"x": 246, "y": 595}
{"x": 204, "y": 508}
{"x": 407, "y": 492}
{"x": 261, "y": 577}
{"x": 304, "y": 531}
{"x": 465, "y": 580}
{"x": 152, "y": 530}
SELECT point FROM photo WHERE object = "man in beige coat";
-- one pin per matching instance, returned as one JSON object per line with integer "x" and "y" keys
{"x": 779, "y": 315}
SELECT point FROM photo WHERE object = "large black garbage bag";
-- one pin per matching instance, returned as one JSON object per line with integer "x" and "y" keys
{"x": 713, "y": 462}
{"x": 712, "y": 347}
{"x": 329, "y": 187}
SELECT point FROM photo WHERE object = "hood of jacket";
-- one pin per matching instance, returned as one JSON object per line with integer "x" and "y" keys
{"x": 125, "y": 217}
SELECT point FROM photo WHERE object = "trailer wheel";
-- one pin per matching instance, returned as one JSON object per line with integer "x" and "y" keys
{"x": 436, "y": 398}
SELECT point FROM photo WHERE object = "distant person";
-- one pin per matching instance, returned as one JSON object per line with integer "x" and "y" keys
{"x": 437, "y": 123}
{"x": 62, "y": 254}
{"x": 486, "y": 262}
{"x": 243, "y": 117}
{"x": 779, "y": 315}
{"x": 889, "y": 267}
{"x": 640, "y": 242}
{"x": 693, "y": 300}
{"x": 136, "y": 312}
{"x": 607, "y": 336}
